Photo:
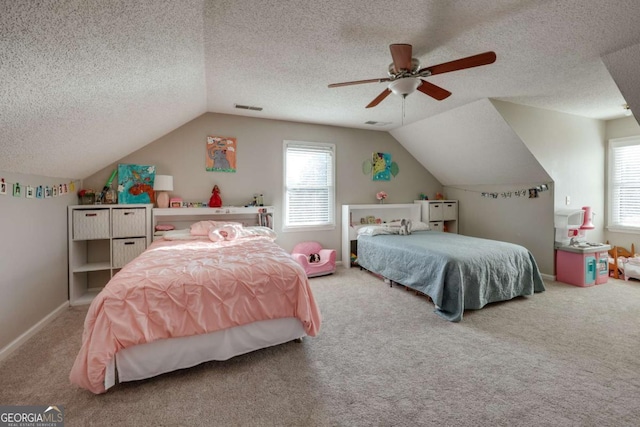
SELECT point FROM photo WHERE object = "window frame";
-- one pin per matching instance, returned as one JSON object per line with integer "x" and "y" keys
{"x": 611, "y": 184}
{"x": 331, "y": 225}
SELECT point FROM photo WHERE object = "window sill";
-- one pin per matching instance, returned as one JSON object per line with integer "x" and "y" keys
{"x": 308, "y": 228}
{"x": 628, "y": 230}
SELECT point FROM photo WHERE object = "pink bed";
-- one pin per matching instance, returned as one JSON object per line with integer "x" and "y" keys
{"x": 242, "y": 290}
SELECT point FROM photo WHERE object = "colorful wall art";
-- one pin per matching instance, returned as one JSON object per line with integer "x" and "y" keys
{"x": 135, "y": 184}
{"x": 221, "y": 154}
{"x": 381, "y": 167}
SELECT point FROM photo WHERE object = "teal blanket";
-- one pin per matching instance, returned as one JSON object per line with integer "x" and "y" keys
{"x": 457, "y": 272}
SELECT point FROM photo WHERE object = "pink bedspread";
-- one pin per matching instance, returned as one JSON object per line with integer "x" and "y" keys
{"x": 183, "y": 288}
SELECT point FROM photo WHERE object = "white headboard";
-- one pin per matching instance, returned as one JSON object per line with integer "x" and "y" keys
{"x": 184, "y": 217}
{"x": 353, "y": 214}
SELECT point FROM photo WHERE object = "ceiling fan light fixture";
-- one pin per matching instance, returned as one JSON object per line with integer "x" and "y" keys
{"x": 404, "y": 86}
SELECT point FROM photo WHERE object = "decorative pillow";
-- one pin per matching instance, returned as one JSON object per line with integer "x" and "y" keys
{"x": 314, "y": 258}
{"x": 201, "y": 228}
{"x": 228, "y": 231}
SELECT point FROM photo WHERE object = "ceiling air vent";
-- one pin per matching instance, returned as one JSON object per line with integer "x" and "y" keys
{"x": 247, "y": 107}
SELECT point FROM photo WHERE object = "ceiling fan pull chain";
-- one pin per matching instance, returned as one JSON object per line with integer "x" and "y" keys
{"x": 404, "y": 97}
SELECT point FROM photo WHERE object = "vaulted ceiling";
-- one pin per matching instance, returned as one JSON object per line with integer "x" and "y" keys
{"x": 85, "y": 82}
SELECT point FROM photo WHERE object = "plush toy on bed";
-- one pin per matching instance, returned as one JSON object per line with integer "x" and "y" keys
{"x": 215, "y": 201}
{"x": 314, "y": 258}
{"x": 405, "y": 227}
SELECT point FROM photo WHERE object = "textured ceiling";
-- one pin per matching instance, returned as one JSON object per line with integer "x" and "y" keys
{"x": 86, "y": 82}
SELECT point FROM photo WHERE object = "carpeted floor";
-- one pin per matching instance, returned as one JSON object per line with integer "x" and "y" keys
{"x": 566, "y": 357}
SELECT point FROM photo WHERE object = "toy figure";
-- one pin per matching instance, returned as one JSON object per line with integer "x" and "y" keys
{"x": 215, "y": 201}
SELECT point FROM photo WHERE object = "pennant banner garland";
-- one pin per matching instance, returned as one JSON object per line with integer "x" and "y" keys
{"x": 28, "y": 191}
{"x": 530, "y": 193}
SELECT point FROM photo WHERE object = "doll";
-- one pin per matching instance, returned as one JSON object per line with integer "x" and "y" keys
{"x": 215, "y": 201}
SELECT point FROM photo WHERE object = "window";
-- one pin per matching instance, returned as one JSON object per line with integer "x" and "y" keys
{"x": 309, "y": 185}
{"x": 624, "y": 184}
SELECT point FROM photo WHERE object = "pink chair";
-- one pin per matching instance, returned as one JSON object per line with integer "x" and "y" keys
{"x": 327, "y": 264}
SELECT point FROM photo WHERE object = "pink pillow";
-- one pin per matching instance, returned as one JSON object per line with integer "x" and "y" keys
{"x": 164, "y": 227}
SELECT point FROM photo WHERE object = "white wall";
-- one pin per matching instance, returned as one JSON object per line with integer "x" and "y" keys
{"x": 572, "y": 151}
{"x": 519, "y": 220}
{"x": 260, "y": 166}
{"x": 33, "y": 260}
{"x": 621, "y": 128}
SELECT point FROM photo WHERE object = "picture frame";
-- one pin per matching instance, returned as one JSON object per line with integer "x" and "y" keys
{"x": 29, "y": 192}
{"x": 381, "y": 166}
{"x": 3, "y": 187}
{"x": 17, "y": 190}
{"x": 221, "y": 154}
{"x": 135, "y": 183}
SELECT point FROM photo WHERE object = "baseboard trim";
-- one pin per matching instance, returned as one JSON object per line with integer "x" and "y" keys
{"x": 15, "y": 344}
{"x": 548, "y": 277}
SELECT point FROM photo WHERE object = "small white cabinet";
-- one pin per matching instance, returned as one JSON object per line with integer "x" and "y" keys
{"x": 440, "y": 215}
{"x": 103, "y": 239}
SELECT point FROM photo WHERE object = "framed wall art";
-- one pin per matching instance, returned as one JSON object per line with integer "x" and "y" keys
{"x": 221, "y": 154}
{"x": 135, "y": 184}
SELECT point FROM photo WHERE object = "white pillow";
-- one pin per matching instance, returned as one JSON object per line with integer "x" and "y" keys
{"x": 391, "y": 228}
{"x": 183, "y": 234}
{"x": 415, "y": 225}
{"x": 374, "y": 230}
{"x": 258, "y": 231}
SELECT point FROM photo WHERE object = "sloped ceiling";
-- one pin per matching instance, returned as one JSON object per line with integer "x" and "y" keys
{"x": 471, "y": 145}
{"x": 86, "y": 82}
{"x": 623, "y": 66}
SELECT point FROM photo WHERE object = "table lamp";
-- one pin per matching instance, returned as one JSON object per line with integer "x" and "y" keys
{"x": 161, "y": 185}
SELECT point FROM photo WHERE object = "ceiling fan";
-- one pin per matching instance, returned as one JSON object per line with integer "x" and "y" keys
{"x": 405, "y": 74}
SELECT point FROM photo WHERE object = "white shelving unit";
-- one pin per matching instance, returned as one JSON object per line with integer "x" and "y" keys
{"x": 441, "y": 215}
{"x": 184, "y": 217}
{"x": 102, "y": 239}
{"x": 352, "y": 219}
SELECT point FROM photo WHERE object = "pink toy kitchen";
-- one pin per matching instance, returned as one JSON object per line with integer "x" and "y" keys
{"x": 579, "y": 262}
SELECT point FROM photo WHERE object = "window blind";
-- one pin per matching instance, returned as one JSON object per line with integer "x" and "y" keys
{"x": 309, "y": 184}
{"x": 624, "y": 183}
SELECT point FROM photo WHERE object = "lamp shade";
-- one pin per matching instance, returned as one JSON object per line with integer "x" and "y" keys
{"x": 163, "y": 183}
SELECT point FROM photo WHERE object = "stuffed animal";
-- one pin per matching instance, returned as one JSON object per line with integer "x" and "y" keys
{"x": 215, "y": 201}
{"x": 405, "y": 227}
{"x": 314, "y": 258}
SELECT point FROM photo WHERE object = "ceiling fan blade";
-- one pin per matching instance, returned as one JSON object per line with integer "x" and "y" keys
{"x": 401, "y": 54}
{"x": 357, "y": 82}
{"x": 379, "y": 98}
{"x": 461, "y": 64}
{"x": 433, "y": 91}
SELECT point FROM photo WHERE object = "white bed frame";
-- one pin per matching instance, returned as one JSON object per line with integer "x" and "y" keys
{"x": 159, "y": 357}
